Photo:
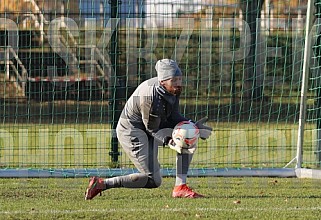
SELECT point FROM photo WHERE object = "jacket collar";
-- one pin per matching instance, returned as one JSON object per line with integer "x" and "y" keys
{"x": 170, "y": 98}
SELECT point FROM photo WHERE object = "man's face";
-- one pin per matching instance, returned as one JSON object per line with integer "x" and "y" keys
{"x": 173, "y": 85}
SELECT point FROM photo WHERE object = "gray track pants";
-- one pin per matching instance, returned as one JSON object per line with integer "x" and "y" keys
{"x": 143, "y": 152}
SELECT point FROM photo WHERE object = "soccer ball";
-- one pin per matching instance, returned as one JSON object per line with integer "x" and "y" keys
{"x": 185, "y": 134}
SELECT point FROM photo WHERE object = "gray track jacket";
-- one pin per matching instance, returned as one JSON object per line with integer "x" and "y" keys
{"x": 150, "y": 108}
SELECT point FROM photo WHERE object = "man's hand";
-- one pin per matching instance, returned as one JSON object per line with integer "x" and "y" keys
{"x": 205, "y": 131}
{"x": 172, "y": 145}
{"x": 179, "y": 149}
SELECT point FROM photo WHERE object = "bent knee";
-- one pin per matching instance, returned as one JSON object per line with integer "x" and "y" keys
{"x": 154, "y": 182}
{"x": 158, "y": 182}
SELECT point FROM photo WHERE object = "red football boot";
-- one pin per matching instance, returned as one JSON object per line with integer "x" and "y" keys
{"x": 183, "y": 191}
{"x": 95, "y": 187}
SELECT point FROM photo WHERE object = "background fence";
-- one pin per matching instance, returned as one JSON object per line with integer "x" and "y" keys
{"x": 68, "y": 67}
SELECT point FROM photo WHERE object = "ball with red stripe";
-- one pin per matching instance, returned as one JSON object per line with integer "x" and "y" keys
{"x": 185, "y": 134}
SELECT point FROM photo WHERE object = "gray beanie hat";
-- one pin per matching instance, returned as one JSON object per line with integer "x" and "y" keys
{"x": 167, "y": 69}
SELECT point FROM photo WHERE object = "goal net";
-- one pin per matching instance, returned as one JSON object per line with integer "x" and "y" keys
{"x": 68, "y": 67}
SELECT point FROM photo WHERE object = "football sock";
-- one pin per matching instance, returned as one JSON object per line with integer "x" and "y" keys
{"x": 180, "y": 179}
{"x": 182, "y": 164}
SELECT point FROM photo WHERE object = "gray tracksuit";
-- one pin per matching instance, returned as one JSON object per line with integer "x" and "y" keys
{"x": 150, "y": 108}
{"x": 147, "y": 118}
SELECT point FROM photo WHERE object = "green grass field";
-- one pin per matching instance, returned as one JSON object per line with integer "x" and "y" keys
{"x": 227, "y": 198}
{"x": 230, "y": 145}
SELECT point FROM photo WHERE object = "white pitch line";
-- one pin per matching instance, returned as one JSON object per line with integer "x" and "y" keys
{"x": 162, "y": 209}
